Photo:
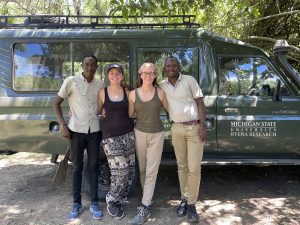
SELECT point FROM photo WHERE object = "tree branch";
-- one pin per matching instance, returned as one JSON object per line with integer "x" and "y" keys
{"x": 21, "y": 5}
{"x": 260, "y": 38}
{"x": 293, "y": 58}
{"x": 260, "y": 19}
{"x": 293, "y": 47}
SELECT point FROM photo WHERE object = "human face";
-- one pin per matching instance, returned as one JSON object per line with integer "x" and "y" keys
{"x": 115, "y": 76}
{"x": 171, "y": 68}
{"x": 148, "y": 74}
{"x": 89, "y": 67}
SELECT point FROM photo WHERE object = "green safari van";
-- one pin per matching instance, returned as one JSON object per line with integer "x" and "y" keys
{"x": 252, "y": 99}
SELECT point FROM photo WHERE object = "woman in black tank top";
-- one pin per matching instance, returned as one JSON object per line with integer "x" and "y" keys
{"x": 145, "y": 103}
{"x": 117, "y": 140}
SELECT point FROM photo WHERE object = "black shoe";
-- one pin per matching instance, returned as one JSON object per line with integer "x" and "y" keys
{"x": 192, "y": 214}
{"x": 181, "y": 209}
{"x": 112, "y": 209}
{"x": 120, "y": 214}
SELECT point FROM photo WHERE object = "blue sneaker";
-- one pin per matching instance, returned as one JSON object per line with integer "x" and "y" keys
{"x": 97, "y": 213}
{"x": 76, "y": 210}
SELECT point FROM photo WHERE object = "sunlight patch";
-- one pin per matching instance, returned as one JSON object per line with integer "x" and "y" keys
{"x": 25, "y": 158}
{"x": 13, "y": 210}
{"x": 216, "y": 207}
{"x": 229, "y": 220}
{"x": 270, "y": 203}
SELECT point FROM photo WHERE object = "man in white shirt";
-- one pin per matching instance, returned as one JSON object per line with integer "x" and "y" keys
{"x": 187, "y": 114}
{"x": 83, "y": 130}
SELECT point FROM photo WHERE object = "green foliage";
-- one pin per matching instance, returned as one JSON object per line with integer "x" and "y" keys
{"x": 285, "y": 26}
{"x": 232, "y": 18}
{"x": 31, "y": 7}
{"x": 30, "y": 83}
{"x": 157, "y": 57}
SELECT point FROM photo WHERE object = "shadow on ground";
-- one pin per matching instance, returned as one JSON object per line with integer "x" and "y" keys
{"x": 229, "y": 195}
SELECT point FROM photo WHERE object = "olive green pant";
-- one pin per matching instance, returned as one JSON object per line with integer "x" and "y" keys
{"x": 189, "y": 152}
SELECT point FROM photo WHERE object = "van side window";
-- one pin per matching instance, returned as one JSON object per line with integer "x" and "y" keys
{"x": 188, "y": 58}
{"x": 43, "y": 66}
{"x": 248, "y": 76}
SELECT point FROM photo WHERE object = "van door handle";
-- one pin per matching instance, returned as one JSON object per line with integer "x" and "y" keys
{"x": 232, "y": 110}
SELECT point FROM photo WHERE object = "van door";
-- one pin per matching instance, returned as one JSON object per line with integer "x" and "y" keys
{"x": 250, "y": 123}
{"x": 191, "y": 59}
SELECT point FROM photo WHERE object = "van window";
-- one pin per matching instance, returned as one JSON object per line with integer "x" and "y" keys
{"x": 188, "y": 58}
{"x": 248, "y": 76}
{"x": 43, "y": 66}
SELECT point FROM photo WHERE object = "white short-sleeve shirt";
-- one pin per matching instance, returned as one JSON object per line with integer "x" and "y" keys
{"x": 82, "y": 98}
{"x": 181, "y": 98}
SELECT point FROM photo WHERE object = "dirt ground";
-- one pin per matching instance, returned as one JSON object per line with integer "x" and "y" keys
{"x": 229, "y": 195}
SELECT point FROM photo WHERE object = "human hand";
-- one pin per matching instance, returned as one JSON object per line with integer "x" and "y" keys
{"x": 65, "y": 131}
{"x": 103, "y": 113}
{"x": 70, "y": 114}
{"x": 202, "y": 132}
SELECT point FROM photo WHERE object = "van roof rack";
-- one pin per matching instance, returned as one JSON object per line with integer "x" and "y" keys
{"x": 98, "y": 22}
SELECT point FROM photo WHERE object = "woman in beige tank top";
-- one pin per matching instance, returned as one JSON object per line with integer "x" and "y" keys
{"x": 145, "y": 103}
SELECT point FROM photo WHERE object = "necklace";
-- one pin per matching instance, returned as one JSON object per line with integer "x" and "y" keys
{"x": 115, "y": 95}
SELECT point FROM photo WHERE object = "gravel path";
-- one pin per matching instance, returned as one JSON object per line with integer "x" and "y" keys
{"x": 229, "y": 195}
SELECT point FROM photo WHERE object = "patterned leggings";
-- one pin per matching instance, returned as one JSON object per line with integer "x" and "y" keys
{"x": 120, "y": 153}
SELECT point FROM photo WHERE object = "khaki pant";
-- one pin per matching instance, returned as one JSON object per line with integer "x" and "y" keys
{"x": 189, "y": 153}
{"x": 149, "y": 148}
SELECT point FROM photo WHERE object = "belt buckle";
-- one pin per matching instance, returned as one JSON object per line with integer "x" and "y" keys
{"x": 192, "y": 122}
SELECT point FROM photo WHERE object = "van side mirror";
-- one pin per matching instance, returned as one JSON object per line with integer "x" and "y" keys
{"x": 276, "y": 94}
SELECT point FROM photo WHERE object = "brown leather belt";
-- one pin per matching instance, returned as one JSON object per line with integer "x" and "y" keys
{"x": 192, "y": 122}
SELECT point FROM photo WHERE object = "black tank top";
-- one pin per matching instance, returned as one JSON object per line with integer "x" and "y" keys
{"x": 116, "y": 121}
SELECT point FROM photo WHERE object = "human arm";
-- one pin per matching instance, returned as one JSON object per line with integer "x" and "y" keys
{"x": 59, "y": 114}
{"x": 163, "y": 98}
{"x": 100, "y": 101}
{"x": 201, "y": 110}
{"x": 131, "y": 101}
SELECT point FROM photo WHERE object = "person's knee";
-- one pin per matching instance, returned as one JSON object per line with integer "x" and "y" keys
{"x": 182, "y": 166}
{"x": 142, "y": 172}
{"x": 77, "y": 168}
{"x": 150, "y": 178}
{"x": 195, "y": 170}
{"x": 93, "y": 166}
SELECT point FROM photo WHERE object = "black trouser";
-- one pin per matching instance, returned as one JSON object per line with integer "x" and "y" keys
{"x": 90, "y": 142}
